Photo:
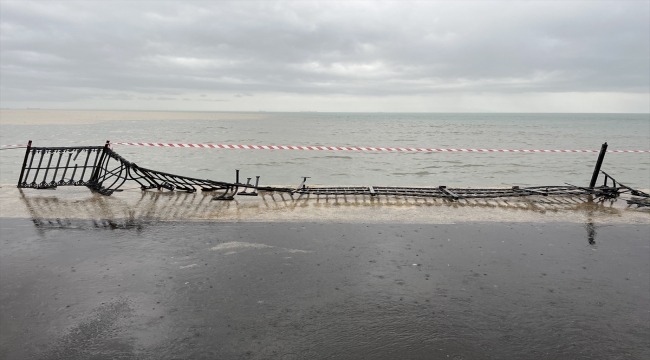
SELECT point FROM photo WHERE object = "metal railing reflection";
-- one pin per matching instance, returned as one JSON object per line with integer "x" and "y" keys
{"x": 133, "y": 210}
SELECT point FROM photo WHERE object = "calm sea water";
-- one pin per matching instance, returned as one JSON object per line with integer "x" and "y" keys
{"x": 497, "y": 131}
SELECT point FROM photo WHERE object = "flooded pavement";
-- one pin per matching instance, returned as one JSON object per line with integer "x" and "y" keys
{"x": 149, "y": 275}
{"x": 136, "y": 206}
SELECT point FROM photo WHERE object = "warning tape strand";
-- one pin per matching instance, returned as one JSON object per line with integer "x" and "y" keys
{"x": 347, "y": 148}
{"x": 357, "y": 148}
{"x": 13, "y": 145}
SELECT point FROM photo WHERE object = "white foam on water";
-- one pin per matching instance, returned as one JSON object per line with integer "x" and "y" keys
{"x": 188, "y": 266}
{"x": 235, "y": 247}
{"x": 238, "y": 245}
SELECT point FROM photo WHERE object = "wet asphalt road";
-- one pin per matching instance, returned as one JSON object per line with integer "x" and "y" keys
{"x": 79, "y": 289}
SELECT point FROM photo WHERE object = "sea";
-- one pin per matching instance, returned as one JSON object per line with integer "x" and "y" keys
{"x": 287, "y": 167}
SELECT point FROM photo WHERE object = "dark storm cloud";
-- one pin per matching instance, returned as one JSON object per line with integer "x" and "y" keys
{"x": 76, "y": 50}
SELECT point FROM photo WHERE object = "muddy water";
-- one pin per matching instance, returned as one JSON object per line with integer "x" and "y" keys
{"x": 133, "y": 206}
{"x": 81, "y": 289}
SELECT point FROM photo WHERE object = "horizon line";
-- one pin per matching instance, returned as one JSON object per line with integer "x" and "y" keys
{"x": 327, "y": 112}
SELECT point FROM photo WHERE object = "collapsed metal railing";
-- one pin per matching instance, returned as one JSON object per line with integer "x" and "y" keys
{"x": 50, "y": 167}
{"x": 104, "y": 171}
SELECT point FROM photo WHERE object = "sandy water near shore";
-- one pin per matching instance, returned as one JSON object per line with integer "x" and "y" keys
{"x": 136, "y": 205}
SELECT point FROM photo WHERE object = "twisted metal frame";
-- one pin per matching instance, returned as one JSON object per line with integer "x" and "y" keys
{"x": 642, "y": 199}
{"x": 103, "y": 170}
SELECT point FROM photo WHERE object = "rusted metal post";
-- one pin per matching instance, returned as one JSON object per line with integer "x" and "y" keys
{"x": 22, "y": 171}
{"x": 601, "y": 156}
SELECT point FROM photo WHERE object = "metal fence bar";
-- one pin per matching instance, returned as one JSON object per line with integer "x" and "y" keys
{"x": 22, "y": 171}
{"x": 599, "y": 163}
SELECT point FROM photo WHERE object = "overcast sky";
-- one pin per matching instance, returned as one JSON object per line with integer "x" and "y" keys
{"x": 516, "y": 56}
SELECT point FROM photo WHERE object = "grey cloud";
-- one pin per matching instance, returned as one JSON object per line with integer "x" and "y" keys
{"x": 76, "y": 50}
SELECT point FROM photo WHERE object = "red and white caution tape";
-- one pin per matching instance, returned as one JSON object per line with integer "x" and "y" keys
{"x": 12, "y": 146}
{"x": 357, "y": 148}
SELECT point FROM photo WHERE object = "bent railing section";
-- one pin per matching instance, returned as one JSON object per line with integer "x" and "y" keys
{"x": 104, "y": 171}
{"x": 50, "y": 167}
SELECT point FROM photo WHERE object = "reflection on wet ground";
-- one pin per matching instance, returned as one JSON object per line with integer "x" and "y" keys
{"x": 138, "y": 207}
{"x": 591, "y": 231}
{"x": 311, "y": 290}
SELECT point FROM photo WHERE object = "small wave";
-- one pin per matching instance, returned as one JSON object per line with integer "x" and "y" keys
{"x": 471, "y": 165}
{"x": 337, "y": 157}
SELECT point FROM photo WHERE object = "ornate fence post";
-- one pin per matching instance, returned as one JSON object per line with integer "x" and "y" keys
{"x": 98, "y": 167}
{"x": 22, "y": 171}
